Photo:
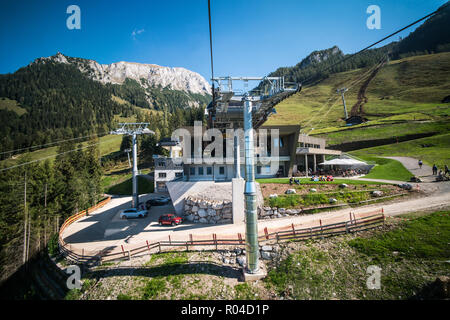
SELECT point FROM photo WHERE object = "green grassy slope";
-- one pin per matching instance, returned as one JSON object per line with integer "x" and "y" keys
{"x": 432, "y": 150}
{"x": 404, "y": 99}
{"x": 386, "y": 169}
{"x": 108, "y": 144}
{"x": 411, "y": 85}
{"x": 11, "y": 105}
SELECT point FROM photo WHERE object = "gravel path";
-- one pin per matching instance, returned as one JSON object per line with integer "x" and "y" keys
{"x": 413, "y": 166}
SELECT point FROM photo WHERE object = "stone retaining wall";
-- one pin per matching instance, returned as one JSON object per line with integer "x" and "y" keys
{"x": 265, "y": 213}
{"x": 199, "y": 210}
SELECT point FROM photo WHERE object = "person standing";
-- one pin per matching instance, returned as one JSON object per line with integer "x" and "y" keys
{"x": 435, "y": 169}
{"x": 445, "y": 169}
{"x": 420, "y": 164}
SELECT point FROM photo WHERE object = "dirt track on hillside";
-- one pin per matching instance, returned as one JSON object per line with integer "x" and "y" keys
{"x": 357, "y": 109}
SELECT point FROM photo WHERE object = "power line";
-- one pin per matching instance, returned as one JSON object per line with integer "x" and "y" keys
{"x": 375, "y": 43}
{"x": 37, "y": 160}
{"x": 56, "y": 142}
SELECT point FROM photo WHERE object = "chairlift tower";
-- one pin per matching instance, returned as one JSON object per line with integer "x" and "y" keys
{"x": 342, "y": 91}
{"x": 134, "y": 129}
{"x": 251, "y": 234}
{"x": 234, "y": 108}
{"x": 127, "y": 151}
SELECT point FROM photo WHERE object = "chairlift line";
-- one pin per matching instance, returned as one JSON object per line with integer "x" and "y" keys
{"x": 37, "y": 160}
{"x": 56, "y": 142}
{"x": 211, "y": 49}
{"x": 375, "y": 43}
{"x": 351, "y": 85}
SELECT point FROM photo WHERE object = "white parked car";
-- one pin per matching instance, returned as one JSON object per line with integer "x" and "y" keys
{"x": 133, "y": 213}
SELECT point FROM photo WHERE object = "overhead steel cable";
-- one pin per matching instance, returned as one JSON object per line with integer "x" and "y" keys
{"x": 211, "y": 49}
{"x": 56, "y": 142}
{"x": 351, "y": 85}
{"x": 44, "y": 158}
{"x": 375, "y": 43}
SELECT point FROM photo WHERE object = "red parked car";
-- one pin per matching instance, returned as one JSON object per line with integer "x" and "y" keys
{"x": 169, "y": 219}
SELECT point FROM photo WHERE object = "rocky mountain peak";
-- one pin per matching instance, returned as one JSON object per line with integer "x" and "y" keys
{"x": 319, "y": 56}
{"x": 147, "y": 75}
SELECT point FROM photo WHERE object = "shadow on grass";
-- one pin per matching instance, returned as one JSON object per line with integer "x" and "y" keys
{"x": 171, "y": 269}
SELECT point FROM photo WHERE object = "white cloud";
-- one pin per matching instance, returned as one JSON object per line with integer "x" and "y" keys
{"x": 136, "y": 32}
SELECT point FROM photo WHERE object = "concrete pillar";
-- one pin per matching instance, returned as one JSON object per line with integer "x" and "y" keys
{"x": 315, "y": 163}
{"x": 237, "y": 158}
{"x": 237, "y": 190}
{"x": 306, "y": 164}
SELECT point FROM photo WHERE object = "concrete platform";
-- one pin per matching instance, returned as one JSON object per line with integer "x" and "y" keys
{"x": 261, "y": 274}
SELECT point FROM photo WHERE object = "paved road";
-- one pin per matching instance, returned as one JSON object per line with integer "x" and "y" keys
{"x": 103, "y": 229}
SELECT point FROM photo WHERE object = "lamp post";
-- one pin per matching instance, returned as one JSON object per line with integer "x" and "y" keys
{"x": 134, "y": 129}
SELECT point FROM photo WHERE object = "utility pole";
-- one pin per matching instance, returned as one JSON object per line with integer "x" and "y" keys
{"x": 251, "y": 236}
{"x": 25, "y": 221}
{"x": 342, "y": 91}
{"x": 128, "y": 154}
{"x": 135, "y": 173}
{"x": 134, "y": 129}
{"x": 45, "y": 196}
{"x": 28, "y": 238}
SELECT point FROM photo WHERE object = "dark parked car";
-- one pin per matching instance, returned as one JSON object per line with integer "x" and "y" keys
{"x": 161, "y": 201}
{"x": 170, "y": 219}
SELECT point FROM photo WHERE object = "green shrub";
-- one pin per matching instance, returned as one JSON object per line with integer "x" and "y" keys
{"x": 153, "y": 288}
{"x": 122, "y": 296}
{"x": 244, "y": 292}
{"x": 315, "y": 198}
{"x": 288, "y": 201}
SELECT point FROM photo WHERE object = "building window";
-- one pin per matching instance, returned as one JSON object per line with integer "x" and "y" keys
{"x": 209, "y": 171}
{"x": 192, "y": 171}
{"x": 161, "y": 186}
{"x": 162, "y": 175}
{"x": 258, "y": 169}
{"x": 178, "y": 174}
{"x": 200, "y": 171}
{"x": 265, "y": 170}
{"x": 222, "y": 170}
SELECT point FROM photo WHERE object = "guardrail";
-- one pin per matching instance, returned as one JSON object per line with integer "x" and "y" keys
{"x": 372, "y": 220}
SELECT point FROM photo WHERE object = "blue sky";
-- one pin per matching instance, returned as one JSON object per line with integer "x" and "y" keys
{"x": 250, "y": 37}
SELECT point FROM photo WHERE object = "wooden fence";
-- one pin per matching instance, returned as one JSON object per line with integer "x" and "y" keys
{"x": 371, "y": 220}
{"x": 79, "y": 215}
